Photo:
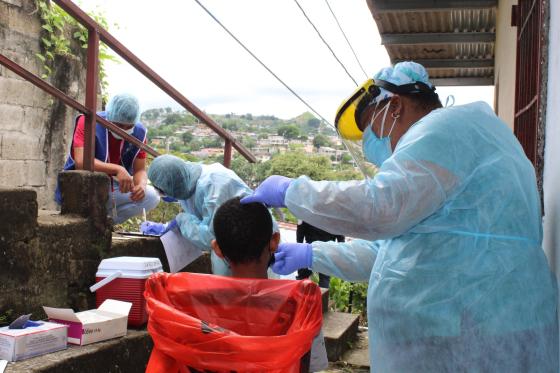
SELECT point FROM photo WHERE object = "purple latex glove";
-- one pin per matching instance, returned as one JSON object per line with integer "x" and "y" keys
{"x": 153, "y": 228}
{"x": 271, "y": 192}
{"x": 292, "y": 256}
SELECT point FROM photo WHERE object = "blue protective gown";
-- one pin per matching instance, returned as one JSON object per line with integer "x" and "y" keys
{"x": 215, "y": 185}
{"x": 458, "y": 280}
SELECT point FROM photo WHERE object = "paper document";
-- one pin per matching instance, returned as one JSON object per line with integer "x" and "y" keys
{"x": 179, "y": 251}
{"x": 3, "y": 365}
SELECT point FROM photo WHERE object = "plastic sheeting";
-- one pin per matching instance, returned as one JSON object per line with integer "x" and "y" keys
{"x": 226, "y": 324}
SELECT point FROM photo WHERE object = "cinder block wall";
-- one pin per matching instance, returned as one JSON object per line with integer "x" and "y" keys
{"x": 35, "y": 129}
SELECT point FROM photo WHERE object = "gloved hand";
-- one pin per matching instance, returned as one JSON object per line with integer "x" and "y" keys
{"x": 153, "y": 228}
{"x": 172, "y": 224}
{"x": 271, "y": 192}
{"x": 292, "y": 256}
{"x": 169, "y": 199}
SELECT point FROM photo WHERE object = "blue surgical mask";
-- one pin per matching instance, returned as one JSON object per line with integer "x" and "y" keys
{"x": 377, "y": 150}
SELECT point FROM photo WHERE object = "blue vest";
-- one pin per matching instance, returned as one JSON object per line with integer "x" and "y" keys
{"x": 128, "y": 154}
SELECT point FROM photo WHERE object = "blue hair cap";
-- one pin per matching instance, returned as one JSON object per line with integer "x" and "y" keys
{"x": 123, "y": 108}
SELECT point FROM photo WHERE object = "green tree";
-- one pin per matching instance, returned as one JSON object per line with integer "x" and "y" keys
{"x": 249, "y": 142}
{"x": 297, "y": 163}
{"x": 187, "y": 137}
{"x": 313, "y": 123}
{"x": 320, "y": 140}
{"x": 346, "y": 158}
{"x": 232, "y": 126}
{"x": 289, "y": 131}
{"x": 174, "y": 118}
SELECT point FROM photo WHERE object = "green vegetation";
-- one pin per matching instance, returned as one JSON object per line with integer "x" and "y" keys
{"x": 320, "y": 141}
{"x": 59, "y": 28}
{"x": 349, "y": 297}
{"x": 289, "y": 131}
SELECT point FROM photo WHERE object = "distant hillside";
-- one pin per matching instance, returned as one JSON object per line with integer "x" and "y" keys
{"x": 165, "y": 121}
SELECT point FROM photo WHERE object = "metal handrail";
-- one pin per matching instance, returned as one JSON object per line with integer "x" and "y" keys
{"x": 40, "y": 83}
{"x": 103, "y": 35}
{"x": 96, "y": 34}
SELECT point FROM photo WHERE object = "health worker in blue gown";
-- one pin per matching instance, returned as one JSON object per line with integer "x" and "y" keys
{"x": 200, "y": 189}
{"x": 450, "y": 232}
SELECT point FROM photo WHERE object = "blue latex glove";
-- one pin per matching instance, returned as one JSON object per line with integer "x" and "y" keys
{"x": 153, "y": 228}
{"x": 271, "y": 192}
{"x": 292, "y": 256}
{"x": 172, "y": 224}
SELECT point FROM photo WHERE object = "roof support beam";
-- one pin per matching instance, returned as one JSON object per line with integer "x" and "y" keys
{"x": 438, "y": 38}
{"x": 453, "y": 63}
{"x": 382, "y": 6}
{"x": 459, "y": 81}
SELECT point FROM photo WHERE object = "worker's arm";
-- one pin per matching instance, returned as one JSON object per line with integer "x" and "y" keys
{"x": 111, "y": 169}
{"x": 351, "y": 261}
{"x": 140, "y": 179}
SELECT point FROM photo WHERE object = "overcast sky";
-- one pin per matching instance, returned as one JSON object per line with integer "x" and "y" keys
{"x": 191, "y": 51}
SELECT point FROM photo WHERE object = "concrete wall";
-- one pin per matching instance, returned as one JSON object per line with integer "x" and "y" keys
{"x": 47, "y": 258}
{"x": 34, "y": 127}
{"x": 551, "y": 182}
{"x": 504, "y": 70}
{"x": 552, "y": 147}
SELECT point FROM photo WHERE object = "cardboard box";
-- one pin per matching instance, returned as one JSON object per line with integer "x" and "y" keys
{"x": 19, "y": 344}
{"x": 106, "y": 322}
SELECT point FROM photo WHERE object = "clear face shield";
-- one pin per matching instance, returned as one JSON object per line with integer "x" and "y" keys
{"x": 347, "y": 125}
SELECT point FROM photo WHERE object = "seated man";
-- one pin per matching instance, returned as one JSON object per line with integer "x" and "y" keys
{"x": 125, "y": 163}
{"x": 244, "y": 239}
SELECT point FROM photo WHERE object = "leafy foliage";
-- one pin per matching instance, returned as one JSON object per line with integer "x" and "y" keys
{"x": 289, "y": 131}
{"x": 349, "y": 297}
{"x": 321, "y": 140}
{"x": 58, "y": 30}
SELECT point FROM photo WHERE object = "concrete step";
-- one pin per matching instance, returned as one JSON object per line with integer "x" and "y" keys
{"x": 128, "y": 354}
{"x": 358, "y": 355}
{"x": 123, "y": 245}
{"x": 339, "y": 330}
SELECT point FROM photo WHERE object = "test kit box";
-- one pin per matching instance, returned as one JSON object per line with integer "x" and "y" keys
{"x": 19, "y": 344}
{"x": 106, "y": 322}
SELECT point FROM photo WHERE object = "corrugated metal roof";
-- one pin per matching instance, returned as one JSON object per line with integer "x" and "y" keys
{"x": 460, "y": 20}
{"x": 456, "y": 38}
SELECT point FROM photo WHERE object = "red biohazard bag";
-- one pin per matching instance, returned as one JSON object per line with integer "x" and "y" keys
{"x": 222, "y": 324}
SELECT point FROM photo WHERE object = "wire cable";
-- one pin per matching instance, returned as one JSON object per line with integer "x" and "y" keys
{"x": 264, "y": 65}
{"x": 347, "y": 41}
{"x": 327, "y": 44}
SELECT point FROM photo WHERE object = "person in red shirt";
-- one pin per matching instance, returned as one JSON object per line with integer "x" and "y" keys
{"x": 124, "y": 162}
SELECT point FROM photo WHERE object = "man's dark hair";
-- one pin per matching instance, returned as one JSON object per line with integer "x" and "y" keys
{"x": 425, "y": 101}
{"x": 242, "y": 231}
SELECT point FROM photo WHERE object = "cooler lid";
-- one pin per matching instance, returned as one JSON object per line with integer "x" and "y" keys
{"x": 130, "y": 263}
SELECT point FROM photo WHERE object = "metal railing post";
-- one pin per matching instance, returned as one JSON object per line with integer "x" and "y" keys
{"x": 91, "y": 98}
{"x": 227, "y": 153}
